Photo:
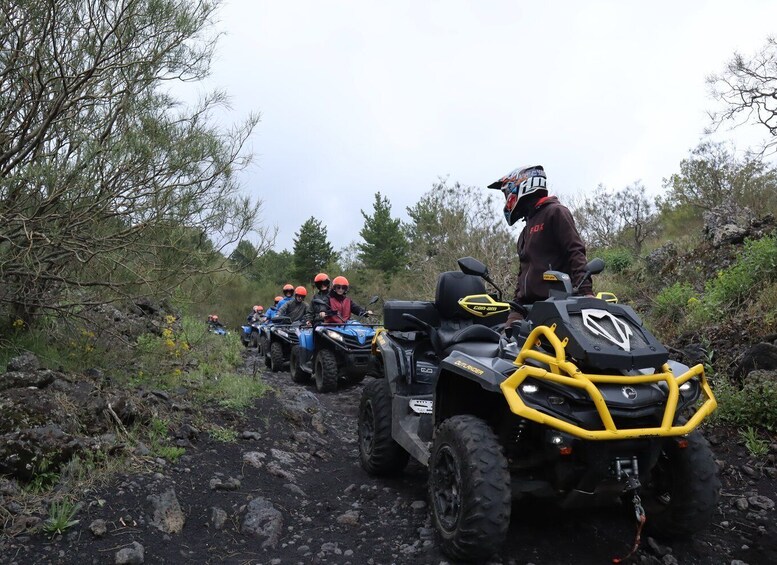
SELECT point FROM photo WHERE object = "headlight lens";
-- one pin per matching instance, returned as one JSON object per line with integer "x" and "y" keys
{"x": 334, "y": 335}
{"x": 281, "y": 333}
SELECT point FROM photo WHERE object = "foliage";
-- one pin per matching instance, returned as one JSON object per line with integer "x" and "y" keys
{"x": 236, "y": 392}
{"x": 225, "y": 435}
{"x": 755, "y": 404}
{"x": 44, "y": 477}
{"x": 755, "y": 267}
{"x": 107, "y": 182}
{"x": 61, "y": 513}
{"x": 747, "y": 89}
{"x": 622, "y": 218}
{"x": 451, "y": 221}
{"x": 616, "y": 259}
{"x": 671, "y": 304}
{"x": 756, "y": 446}
{"x": 385, "y": 246}
{"x": 713, "y": 175}
{"x": 312, "y": 250}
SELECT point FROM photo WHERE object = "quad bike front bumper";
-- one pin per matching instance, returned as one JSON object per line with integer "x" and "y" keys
{"x": 556, "y": 369}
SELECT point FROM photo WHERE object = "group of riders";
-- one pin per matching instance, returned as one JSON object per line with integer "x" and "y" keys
{"x": 330, "y": 305}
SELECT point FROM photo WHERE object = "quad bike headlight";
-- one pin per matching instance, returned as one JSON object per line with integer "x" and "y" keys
{"x": 334, "y": 335}
{"x": 282, "y": 333}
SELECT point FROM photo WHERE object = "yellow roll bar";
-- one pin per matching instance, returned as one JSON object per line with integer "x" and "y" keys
{"x": 566, "y": 373}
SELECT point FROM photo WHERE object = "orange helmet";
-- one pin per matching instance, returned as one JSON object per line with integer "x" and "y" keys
{"x": 340, "y": 281}
{"x": 301, "y": 290}
{"x": 258, "y": 308}
{"x": 321, "y": 280}
{"x": 215, "y": 317}
{"x": 278, "y": 299}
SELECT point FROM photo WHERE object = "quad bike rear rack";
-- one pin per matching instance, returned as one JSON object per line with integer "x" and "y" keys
{"x": 564, "y": 372}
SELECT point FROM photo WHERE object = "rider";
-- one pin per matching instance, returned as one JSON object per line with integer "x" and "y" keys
{"x": 213, "y": 322}
{"x": 320, "y": 302}
{"x": 549, "y": 240}
{"x": 295, "y": 309}
{"x": 256, "y": 315}
{"x": 340, "y": 305}
{"x": 273, "y": 310}
{"x": 288, "y": 294}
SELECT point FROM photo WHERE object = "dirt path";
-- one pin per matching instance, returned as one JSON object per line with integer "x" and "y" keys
{"x": 297, "y": 451}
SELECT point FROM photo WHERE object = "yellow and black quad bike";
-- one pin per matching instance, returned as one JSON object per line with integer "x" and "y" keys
{"x": 581, "y": 403}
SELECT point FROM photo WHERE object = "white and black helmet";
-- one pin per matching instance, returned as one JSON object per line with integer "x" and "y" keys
{"x": 517, "y": 184}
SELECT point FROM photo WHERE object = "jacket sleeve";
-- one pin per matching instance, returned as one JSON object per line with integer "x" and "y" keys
{"x": 569, "y": 239}
{"x": 282, "y": 311}
{"x": 356, "y": 309}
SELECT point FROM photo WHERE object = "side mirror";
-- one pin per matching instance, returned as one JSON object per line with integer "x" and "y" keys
{"x": 595, "y": 266}
{"x": 374, "y": 299}
{"x": 471, "y": 266}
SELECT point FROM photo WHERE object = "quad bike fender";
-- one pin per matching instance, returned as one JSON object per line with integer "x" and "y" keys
{"x": 473, "y": 369}
{"x": 395, "y": 368}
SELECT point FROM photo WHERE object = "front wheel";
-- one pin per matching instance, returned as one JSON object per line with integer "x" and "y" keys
{"x": 276, "y": 356}
{"x": 469, "y": 488}
{"x": 326, "y": 371}
{"x": 297, "y": 374}
{"x": 378, "y": 452}
{"x": 683, "y": 490}
{"x": 263, "y": 349}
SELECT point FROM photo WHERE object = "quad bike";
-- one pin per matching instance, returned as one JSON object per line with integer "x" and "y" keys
{"x": 249, "y": 334}
{"x": 580, "y": 404}
{"x": 331, "y": 353}
{"x": 276, "y": 340}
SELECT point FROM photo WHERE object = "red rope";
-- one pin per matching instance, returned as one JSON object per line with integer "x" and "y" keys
{"x": 637, "y": 539}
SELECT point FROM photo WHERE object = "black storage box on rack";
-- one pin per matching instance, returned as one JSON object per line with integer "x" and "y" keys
{"x": 393, "y": 319}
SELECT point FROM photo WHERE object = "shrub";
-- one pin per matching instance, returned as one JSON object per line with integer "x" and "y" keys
{"x": 671, "y": 303}
{"x": 756, "y": 265}
{"x": 617, "y": 259}
{"x": 755, "y": 404}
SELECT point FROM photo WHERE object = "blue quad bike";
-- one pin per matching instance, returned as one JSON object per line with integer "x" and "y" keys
{"x": 276, "y": 339}
{"x": 249, "y": 334}
{"x": 332, "y": 353}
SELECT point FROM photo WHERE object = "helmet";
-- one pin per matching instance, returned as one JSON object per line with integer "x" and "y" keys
{"x": 301, "y": 290}
{"x": 288, "y": 289}
{"x": 321, "y": 280}
{"x": 215, "y": 317}
{"x": 278, "y": 299}
{"x": 258, "y": 308}
{"x": 340, "y": 281}
{"x": 515, "y": 185}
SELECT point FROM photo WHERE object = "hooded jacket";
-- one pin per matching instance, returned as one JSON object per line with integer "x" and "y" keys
{"x": 295, "y": 311}
{"x": 549, "y": 241}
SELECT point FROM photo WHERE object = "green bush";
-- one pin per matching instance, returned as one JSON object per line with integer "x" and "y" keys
{"x": 756, "y": 265}
{"x": 616, "y": 259}
{"x": 755, "y": 404}
{"x": 671, "y": 304}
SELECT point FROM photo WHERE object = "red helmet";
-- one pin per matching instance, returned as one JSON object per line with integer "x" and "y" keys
{"x": 278, "y": 299}
{"x": 340, "y": 281}
{"x": 301, "y": 290}
{"x": 258, "y": 308}
{"x": 321, "y": 280}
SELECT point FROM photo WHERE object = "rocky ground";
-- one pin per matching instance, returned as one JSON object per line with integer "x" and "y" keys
{"x": 289, "y": 489}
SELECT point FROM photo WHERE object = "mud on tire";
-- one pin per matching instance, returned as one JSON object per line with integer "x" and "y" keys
{"x": 378, "y": 452}
{"x": 469, "y": 489}
{"x": 276, "y": 356}
{"x": 297, "y": 374}
{"x": 682, "y": 494}
{"x": 326, "y": 371}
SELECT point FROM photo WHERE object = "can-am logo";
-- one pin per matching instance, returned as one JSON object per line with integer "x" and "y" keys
{"x": 629, "y": 392}
{"x": 602, "y": 323}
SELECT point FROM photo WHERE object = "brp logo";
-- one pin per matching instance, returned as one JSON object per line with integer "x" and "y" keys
{"x": 629, "y": 392}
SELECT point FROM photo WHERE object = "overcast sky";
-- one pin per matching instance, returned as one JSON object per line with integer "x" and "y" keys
{"x": 365, "y": 96}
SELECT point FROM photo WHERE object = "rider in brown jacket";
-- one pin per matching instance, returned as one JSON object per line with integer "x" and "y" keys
{"x": 549, "y": 240}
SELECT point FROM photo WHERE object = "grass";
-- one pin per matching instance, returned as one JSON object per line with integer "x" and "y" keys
{"x": 755, "y": 445}
{"x": 225, "y": 435}
{"x": 60, "y": 518}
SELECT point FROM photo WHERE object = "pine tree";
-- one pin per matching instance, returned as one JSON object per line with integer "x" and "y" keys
{"x": 312, "y": 250}
{"x": 385, "y": 246}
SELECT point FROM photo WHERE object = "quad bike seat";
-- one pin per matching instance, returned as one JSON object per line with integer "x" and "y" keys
{"x": 459, "y": 329}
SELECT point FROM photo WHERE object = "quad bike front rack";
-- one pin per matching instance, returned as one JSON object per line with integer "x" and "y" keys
{"x": 564, "y": 372}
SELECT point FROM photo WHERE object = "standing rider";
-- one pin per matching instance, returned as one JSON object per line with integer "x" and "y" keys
{"x": 340, "y": 305}
{"x": 296, "y": 309}
{"x": 549, "y": 240}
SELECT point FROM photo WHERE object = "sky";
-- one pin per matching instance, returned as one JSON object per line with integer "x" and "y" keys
{"x": 363, "y": 96}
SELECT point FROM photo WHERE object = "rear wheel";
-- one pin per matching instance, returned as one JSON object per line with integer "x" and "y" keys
{"x": 253, "y": 340}
{"x": 276, "y": 356}
{"x": 297, "y": 374}
{"x": 469, "y": 489}
{"x": 379, "y": 453}
{"x": 683, "y": 490}
{"x": 326, "y": 371}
